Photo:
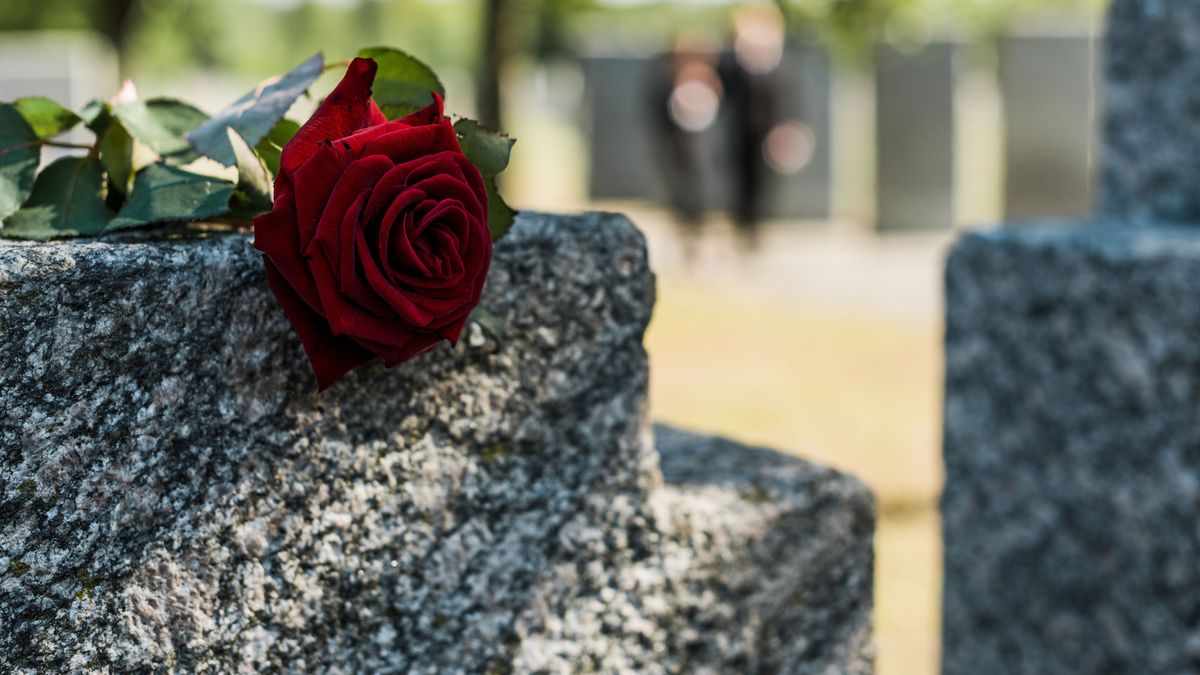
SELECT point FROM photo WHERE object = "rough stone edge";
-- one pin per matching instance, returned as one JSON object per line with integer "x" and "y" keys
{"x": 777, "y": 513}
{"x": 1101, "y": 237}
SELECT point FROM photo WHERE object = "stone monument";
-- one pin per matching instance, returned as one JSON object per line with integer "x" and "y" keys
{"x": 1072, "y": 442}
{"x": 1049, "y": 83}
{"x": 914, "y": 137}
{"x": 175, "y": 495}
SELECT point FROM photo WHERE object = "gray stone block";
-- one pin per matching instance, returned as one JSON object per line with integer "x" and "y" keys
{"x": 774, "y": 553}
{"x": 70, "y": 67}
{"x": 1072, "y": 448}
{"x": 1049, "y": 85}
{"x": 623, "y": 149}
{"x": 753, "y": 562}
{"x": 914, "y": 137}
{"x": 175, "y": 495}
{"x": 808, "y": 97}
{"x": 1150, "y": 141}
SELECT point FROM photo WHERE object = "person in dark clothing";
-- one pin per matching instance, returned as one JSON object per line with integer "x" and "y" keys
{"x": 750, "y": 77}
{"x": 685, "y": 97}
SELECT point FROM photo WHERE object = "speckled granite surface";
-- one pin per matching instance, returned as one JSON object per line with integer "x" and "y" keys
{"x": 1151, "y": 67}
{"x": 176, "y": 493}
{"x": 1072, "y": 448}
{"x": 175, "y": 496}
{"x": 1072, "y": 440}
{"x": 743, "y": 560}
{"x": 769, "y": 559}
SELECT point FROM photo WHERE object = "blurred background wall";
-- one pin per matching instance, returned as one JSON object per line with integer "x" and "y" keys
{"x": 806, "y": 316}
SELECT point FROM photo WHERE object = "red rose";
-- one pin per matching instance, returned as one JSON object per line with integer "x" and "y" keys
{"x": 377, "y": 244}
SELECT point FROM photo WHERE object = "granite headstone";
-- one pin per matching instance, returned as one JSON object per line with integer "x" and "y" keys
{"x": 914, "y": 138}
{"x": 1072, "y": 444}
{"x": 1049, "y": 85}
{"x": 175, "y": 495}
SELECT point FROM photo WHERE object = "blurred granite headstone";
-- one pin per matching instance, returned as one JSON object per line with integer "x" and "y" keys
{"x": 629, "y": 160}
{"x": 808, "y": 97}
{"x": 1049, "y": 84}
{"x": 623, "y": 159}
{"x": 1151, "y": 142}
{"x": 914, "y": 137}
{"x": 1072, "y": 443}
{"x": 175, "y": 496}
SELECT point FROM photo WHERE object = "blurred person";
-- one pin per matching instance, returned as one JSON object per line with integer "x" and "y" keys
{"x": 750, "y": 76}
{"x": 686, "y": 98}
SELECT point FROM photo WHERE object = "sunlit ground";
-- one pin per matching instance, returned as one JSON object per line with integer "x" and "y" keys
{"x": 827, "y": 345}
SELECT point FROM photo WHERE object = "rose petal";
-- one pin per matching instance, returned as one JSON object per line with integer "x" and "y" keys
{"x": 444, "y": 309}
{"x": 283, "y": 190}
{"x": 276, "y": 236}
{"x": 331, "y": 357}
{"x": 452, "y": 331}
{"x": 359, "y": 177}
{"x": 347, "y": 317}
{"x": 430, "y": 114}
{"x": 350, "y": 276}
{"x": 444, "y": 218}
{"x": 314, "y": 182}
{"x": 407, "y": 306}
{"x": 394, "y": 247}
{"x": 421, "y": 342}
{"x": 401, "y": 144}
{"x": 444, "y": 185}
{"x": 450, "y": 165}
{"x": 450, "y": 217}
{"x": 346, "y": 110}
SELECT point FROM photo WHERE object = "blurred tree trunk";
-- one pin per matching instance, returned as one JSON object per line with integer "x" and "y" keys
{"x": 114, "y": 19}
{"x": 496, "y": 45}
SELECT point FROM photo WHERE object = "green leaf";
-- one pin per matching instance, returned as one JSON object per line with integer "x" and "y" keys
{"x": 283, "y": 131}
{"x": 164, "y": 193}
{"x": 402, "y": 82}
{"x": 394, "y": 111}
{"x": 96, "y": 115}
{"x": 47, "y": 118}
{"x": 271, "y": 147}
{"x": 486, "y": 148}
{"x": 254, "y": 115}
{"x": 489, "y": 151}
{"x": 500, "y": 214}
{"x": 253, "y": 194}
{"x": 162, "y": 125}
{"x": 20, "y": 154}
{"x": 488, "y": 322}
{"x": 271, "y": 155}
{"x": 67, "y": 201}
{"x": 116, "y": 153}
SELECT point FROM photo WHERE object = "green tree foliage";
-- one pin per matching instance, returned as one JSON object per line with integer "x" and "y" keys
{"x": 852, "y": 26}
